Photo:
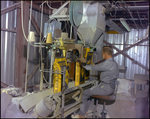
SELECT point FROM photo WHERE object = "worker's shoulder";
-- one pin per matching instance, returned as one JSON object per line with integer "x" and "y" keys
{"x": 113, "y": 62}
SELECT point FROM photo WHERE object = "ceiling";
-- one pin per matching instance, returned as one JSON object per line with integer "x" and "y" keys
{"x": 136, "y": 13}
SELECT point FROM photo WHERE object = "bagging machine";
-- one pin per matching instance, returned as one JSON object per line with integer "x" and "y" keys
{"x": 67, "y": 77}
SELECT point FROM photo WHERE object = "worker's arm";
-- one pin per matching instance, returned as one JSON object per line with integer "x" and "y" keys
{"x": 99, "y": 67}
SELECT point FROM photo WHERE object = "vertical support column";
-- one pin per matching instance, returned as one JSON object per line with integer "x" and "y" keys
{"x": 63, "y": 92}
{"x": 21, "y": 44}
{"x": 124, "y": 46}
{"x": 42, "y": 74}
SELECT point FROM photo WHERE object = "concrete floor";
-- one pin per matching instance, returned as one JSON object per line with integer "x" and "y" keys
{"x": 141, "y": 108}
{"x": 124, "y": 107}
{"x": 127, "y": 105}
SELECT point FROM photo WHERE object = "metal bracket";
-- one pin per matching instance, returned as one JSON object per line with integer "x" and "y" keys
{"x": 79, "y": 99}
{"x": 58, "y": 100}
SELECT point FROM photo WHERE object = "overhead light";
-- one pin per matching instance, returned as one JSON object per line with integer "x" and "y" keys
{"x": 124, "y": 23}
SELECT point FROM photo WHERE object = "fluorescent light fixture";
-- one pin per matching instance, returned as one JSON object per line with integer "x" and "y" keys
{"x": 124, "y": 23}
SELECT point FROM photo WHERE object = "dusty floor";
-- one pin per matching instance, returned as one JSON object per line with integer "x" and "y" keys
{"x": 127, "y": 105}
{"x": 124, "y": 107}
{"x": 141, "y": 108}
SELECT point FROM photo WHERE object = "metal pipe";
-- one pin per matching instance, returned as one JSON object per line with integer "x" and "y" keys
{"x": 131, "y": 15}
{"x": 139, "y": 16}
{"x": 59, "y": 9}
{"x": 41, "y": 34}
{"x": 42, "y": 74}
{"x": 51, "y": 72}
{"x": 115, "y": 19}
{"x": 124, "y": 46}
{"x": 71, "y": 32}
{"x": 133, "y": 8}
{"x": 63, "y": 92}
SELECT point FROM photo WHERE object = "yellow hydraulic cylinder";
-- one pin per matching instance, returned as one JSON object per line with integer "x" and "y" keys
{"x": 57, "y": 78}
{"x": 77, "y": 74}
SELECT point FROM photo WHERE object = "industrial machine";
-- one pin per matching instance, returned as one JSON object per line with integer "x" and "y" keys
{"x": 67, "y": 57}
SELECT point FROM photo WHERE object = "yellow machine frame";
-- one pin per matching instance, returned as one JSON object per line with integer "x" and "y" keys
{"x": 57, "y": 78}
{"x": 81, "y": 74}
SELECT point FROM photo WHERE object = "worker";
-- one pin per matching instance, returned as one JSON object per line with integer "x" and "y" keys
{"x": 109, "y": 74}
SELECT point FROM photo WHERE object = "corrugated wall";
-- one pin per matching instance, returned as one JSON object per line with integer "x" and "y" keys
{"x": 8, "y": 45}
{"x": 8, "y": 39}
{"x": 139, "y": 53}
{"x": 34, "y": 51}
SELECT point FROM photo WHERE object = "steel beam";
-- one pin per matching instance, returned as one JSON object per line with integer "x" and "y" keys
{"x": 119, "y": 52}
{"x": 130, "y": 44}
{"x": 3, "y": 85}
{"x": 122, "y": 52}
{"x": 20, "y": 59}
{"x": 145, "y": 39}
{"x": 33, "y": 72}
{"x": 113, "y": 25}
{"x": 9, "y": 30}
{"x": 35, "y": 25}
{"x": 37, "y": 8}
{"x": 10, "y": 8}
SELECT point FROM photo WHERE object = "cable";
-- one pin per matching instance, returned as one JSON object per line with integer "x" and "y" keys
{"x": 50, "y": 6}
{"x": 130, "y": 14}
{"x": 46, "y": 81}
{"x": 115, "y": 11}
{"x": 11, "y": 86}
{"x": 147, "y": 31}
{"x": 22, "y": 20}
{"x": 43, "y": 3}
{"x": 139, "y": 16}
{"x": 29, "y": 22}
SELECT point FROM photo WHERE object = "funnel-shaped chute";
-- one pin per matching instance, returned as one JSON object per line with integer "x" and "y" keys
{"x": 92, "y": 26}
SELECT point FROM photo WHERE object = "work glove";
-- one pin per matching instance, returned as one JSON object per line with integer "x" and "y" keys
{"x": 87, "y": 67}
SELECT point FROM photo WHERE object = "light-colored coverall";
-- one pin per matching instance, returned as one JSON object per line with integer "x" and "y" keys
{"x": 109, "y": 71}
